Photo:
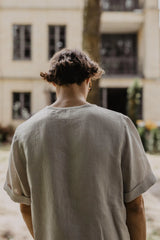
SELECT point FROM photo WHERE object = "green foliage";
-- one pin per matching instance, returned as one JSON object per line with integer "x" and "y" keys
{"x": 143, "y": 134}
{"x": 133, "y": 100}
{"x": 154, "y": 140}
{"x": 150, "y": 139}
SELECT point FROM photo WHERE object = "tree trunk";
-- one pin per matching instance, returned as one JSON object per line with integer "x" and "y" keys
{"x": 91, "y": 40}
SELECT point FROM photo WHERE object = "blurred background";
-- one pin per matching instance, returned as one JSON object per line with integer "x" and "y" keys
{"x": 123, "y": 36}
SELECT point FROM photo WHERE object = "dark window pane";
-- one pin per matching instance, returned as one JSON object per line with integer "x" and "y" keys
{"x": 16, "y": 97}
{"x": 27, "y": 34}
{"x": 27, "y": 50}
{"x": 62, "y": 42}
{"x": 119, "y": 53}
{"x": 56, "y": 39}
{"x": 16, "y": 41}
{"x": 121, "y": 5}
{"x": 52, "y": 42}
{"x": 62, "y": 32}
{"x": 51, "y": 53}
{"x": 21, "y": 42}
{"x": 21, "y": 105}
{"x": 27, "y": 53}
{"x": 51, "y": 30}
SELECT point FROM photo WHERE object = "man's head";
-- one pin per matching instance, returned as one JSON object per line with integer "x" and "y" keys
{"x": 70, "y": 66}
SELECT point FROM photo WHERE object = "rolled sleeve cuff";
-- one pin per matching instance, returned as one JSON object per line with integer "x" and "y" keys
{"x": 141, "y": 188}
{"x": 15, "y": 197}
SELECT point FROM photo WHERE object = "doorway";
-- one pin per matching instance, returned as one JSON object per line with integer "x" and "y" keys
{"x": 116, "y": 99}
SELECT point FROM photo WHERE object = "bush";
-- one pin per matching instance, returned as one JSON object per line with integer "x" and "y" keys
{"x": 150, "y": 136}
{"x": 143, "y": 134}
{"x": 134, "y": 100}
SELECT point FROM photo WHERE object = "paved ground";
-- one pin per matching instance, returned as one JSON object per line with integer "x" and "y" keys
{"x": 12, "y": 226}
{"x": 152, "y": 201}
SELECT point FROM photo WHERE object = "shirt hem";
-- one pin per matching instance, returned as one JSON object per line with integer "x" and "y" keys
{"x": 17, "y": 198}
{"x": 141, "y": 188}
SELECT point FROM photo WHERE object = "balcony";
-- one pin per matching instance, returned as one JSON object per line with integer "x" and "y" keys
{"x": 119, "y": 54}
{"x": 121, "y": 5}
{"x": 121, "y": 66}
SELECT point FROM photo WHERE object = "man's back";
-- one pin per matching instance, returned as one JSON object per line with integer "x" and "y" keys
{"x": 82, "y": 163}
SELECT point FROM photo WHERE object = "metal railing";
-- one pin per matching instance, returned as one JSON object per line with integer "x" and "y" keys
{"x": 121, "y": 5}
{"x": 119, "y": 65}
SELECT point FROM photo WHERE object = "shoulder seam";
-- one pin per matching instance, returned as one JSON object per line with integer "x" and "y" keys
{"x": 123, "y": 135}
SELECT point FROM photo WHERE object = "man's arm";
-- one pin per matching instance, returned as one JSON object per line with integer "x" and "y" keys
{"x": 136, "y": 221}
{"x": 26, "y": 213}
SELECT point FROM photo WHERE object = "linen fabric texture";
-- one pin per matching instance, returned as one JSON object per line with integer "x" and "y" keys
{"x": 77, "y": 167}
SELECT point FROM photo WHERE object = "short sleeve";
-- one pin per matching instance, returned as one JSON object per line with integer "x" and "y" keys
{"x": 16, "y": 183}
{"x": 137, "y": 173}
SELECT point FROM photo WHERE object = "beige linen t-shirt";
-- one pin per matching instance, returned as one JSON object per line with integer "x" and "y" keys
{"x": 76, "y": 167}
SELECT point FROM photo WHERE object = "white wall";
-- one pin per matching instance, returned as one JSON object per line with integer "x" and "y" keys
{"x": 39, "y": 20}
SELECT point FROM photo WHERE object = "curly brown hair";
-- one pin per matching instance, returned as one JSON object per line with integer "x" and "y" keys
{"x": 71, "y": 66}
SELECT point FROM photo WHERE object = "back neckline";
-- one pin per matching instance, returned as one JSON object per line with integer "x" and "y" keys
{"x": 73, "y": 107}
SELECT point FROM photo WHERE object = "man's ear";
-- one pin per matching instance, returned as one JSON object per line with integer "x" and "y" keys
{"x": 54, "y": 84}
{"x": 87, "y": 80}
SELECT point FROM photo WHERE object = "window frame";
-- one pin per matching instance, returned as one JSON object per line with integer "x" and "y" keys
{"x": 22, "y": 102}
{"x": 121, "y": 58}
{"x": 57, "y": 29}
{"x": 22, "y": 45}
{"x": 121, "y": 6}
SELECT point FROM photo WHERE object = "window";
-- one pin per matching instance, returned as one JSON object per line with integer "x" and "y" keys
{"x": 119, "y": 54}
{"x": 21, "y": 105}
{"x": 21, "y": 42}
{"x": 121, "y": 5}
{"x": 57, "y": 39}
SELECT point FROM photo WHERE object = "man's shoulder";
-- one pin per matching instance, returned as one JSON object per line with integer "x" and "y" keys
{"x": 110, "y": 115}
{"x": 31, "y": 125}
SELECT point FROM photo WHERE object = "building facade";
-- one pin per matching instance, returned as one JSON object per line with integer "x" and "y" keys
{"x": 32, "y": 31}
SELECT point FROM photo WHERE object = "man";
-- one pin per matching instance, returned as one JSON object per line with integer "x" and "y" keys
{"x": 78, "y": 170}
